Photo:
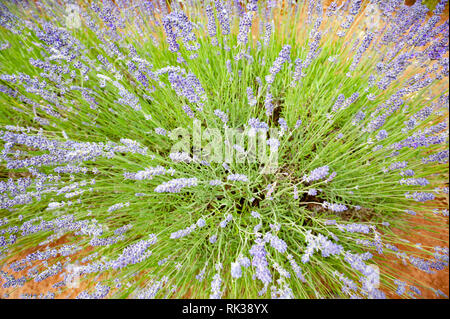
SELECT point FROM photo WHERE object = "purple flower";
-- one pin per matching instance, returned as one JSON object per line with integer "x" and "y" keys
{"x": 176, "y": 185}
{"x": 317, "y": 174}
{"x": 283, "y": 124}
{"x": 180, "y": 157}
{"x": 245, "y": 24}
{"x": 273, "y": 143}
{"x": 260, "y": 263}
{"x": 255, "y": 214}
{"x": 177, "y": 25}
{"x": 186, "y": 86}
{"x": 183, "y": 232}
{"x": 268, "y": 33}
{"x": 362, "y": 48}
{"x": 354, "y": 228}
{"x": 215, "y": 182}
{"x": 398, "y": 165}
{"x": 355, "y": 6}
{"x": 276, "y": 242}
{"x": 334, "y": 207}
{"x": 251, "y": 98}
{"x": 244, "y": 262}
{"x": 401, "y": 287}
{"x": 188, "y": 111}
{"x": 201, "y": 275}
{"x": 148, "y": 173}
{"x": 257, "y": 125}
{"x": 295, "y": 192}
{"x": 414, "y": 181}
{"x": 213, "y": 239}
{"x": 222, "y": 115}
{"x": 236, "y": 270}
{"x": 201, "y": 222}
{"x": 320, "y": 242}
{"x": 314, "y": 50}
{"x": 223, "y": 17}
{"x": 224, "y": 222}
{"x": 381, "y": 135}
{"x": 268, "y": 102}
{"x": 216, "y": 292}
{"x": 237, "y": 177}
{"x": 421, "y": 196}
{"x": 297, "y": 71}
{"x": 117, "y": 206}
{"x": 211, "y": 21}
{"x": 283, "y": 57}
{"x": 296, "y": 268}
{"x": 440, "y": 157}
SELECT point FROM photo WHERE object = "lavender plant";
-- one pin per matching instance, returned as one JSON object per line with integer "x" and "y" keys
{"x": 93, "y": 195}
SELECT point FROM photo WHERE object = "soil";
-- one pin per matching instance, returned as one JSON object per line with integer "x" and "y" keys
{"x": 45, "y": 286}
{"x": 438, "y": 280}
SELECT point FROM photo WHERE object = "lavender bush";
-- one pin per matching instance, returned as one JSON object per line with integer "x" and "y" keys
{"x": 351, "y": 96}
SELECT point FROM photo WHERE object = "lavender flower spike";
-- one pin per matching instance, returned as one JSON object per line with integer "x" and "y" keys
{"x": 176, "y": 185}
{"x": 237, "y": 177}
{"x": 317, "y": 174}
